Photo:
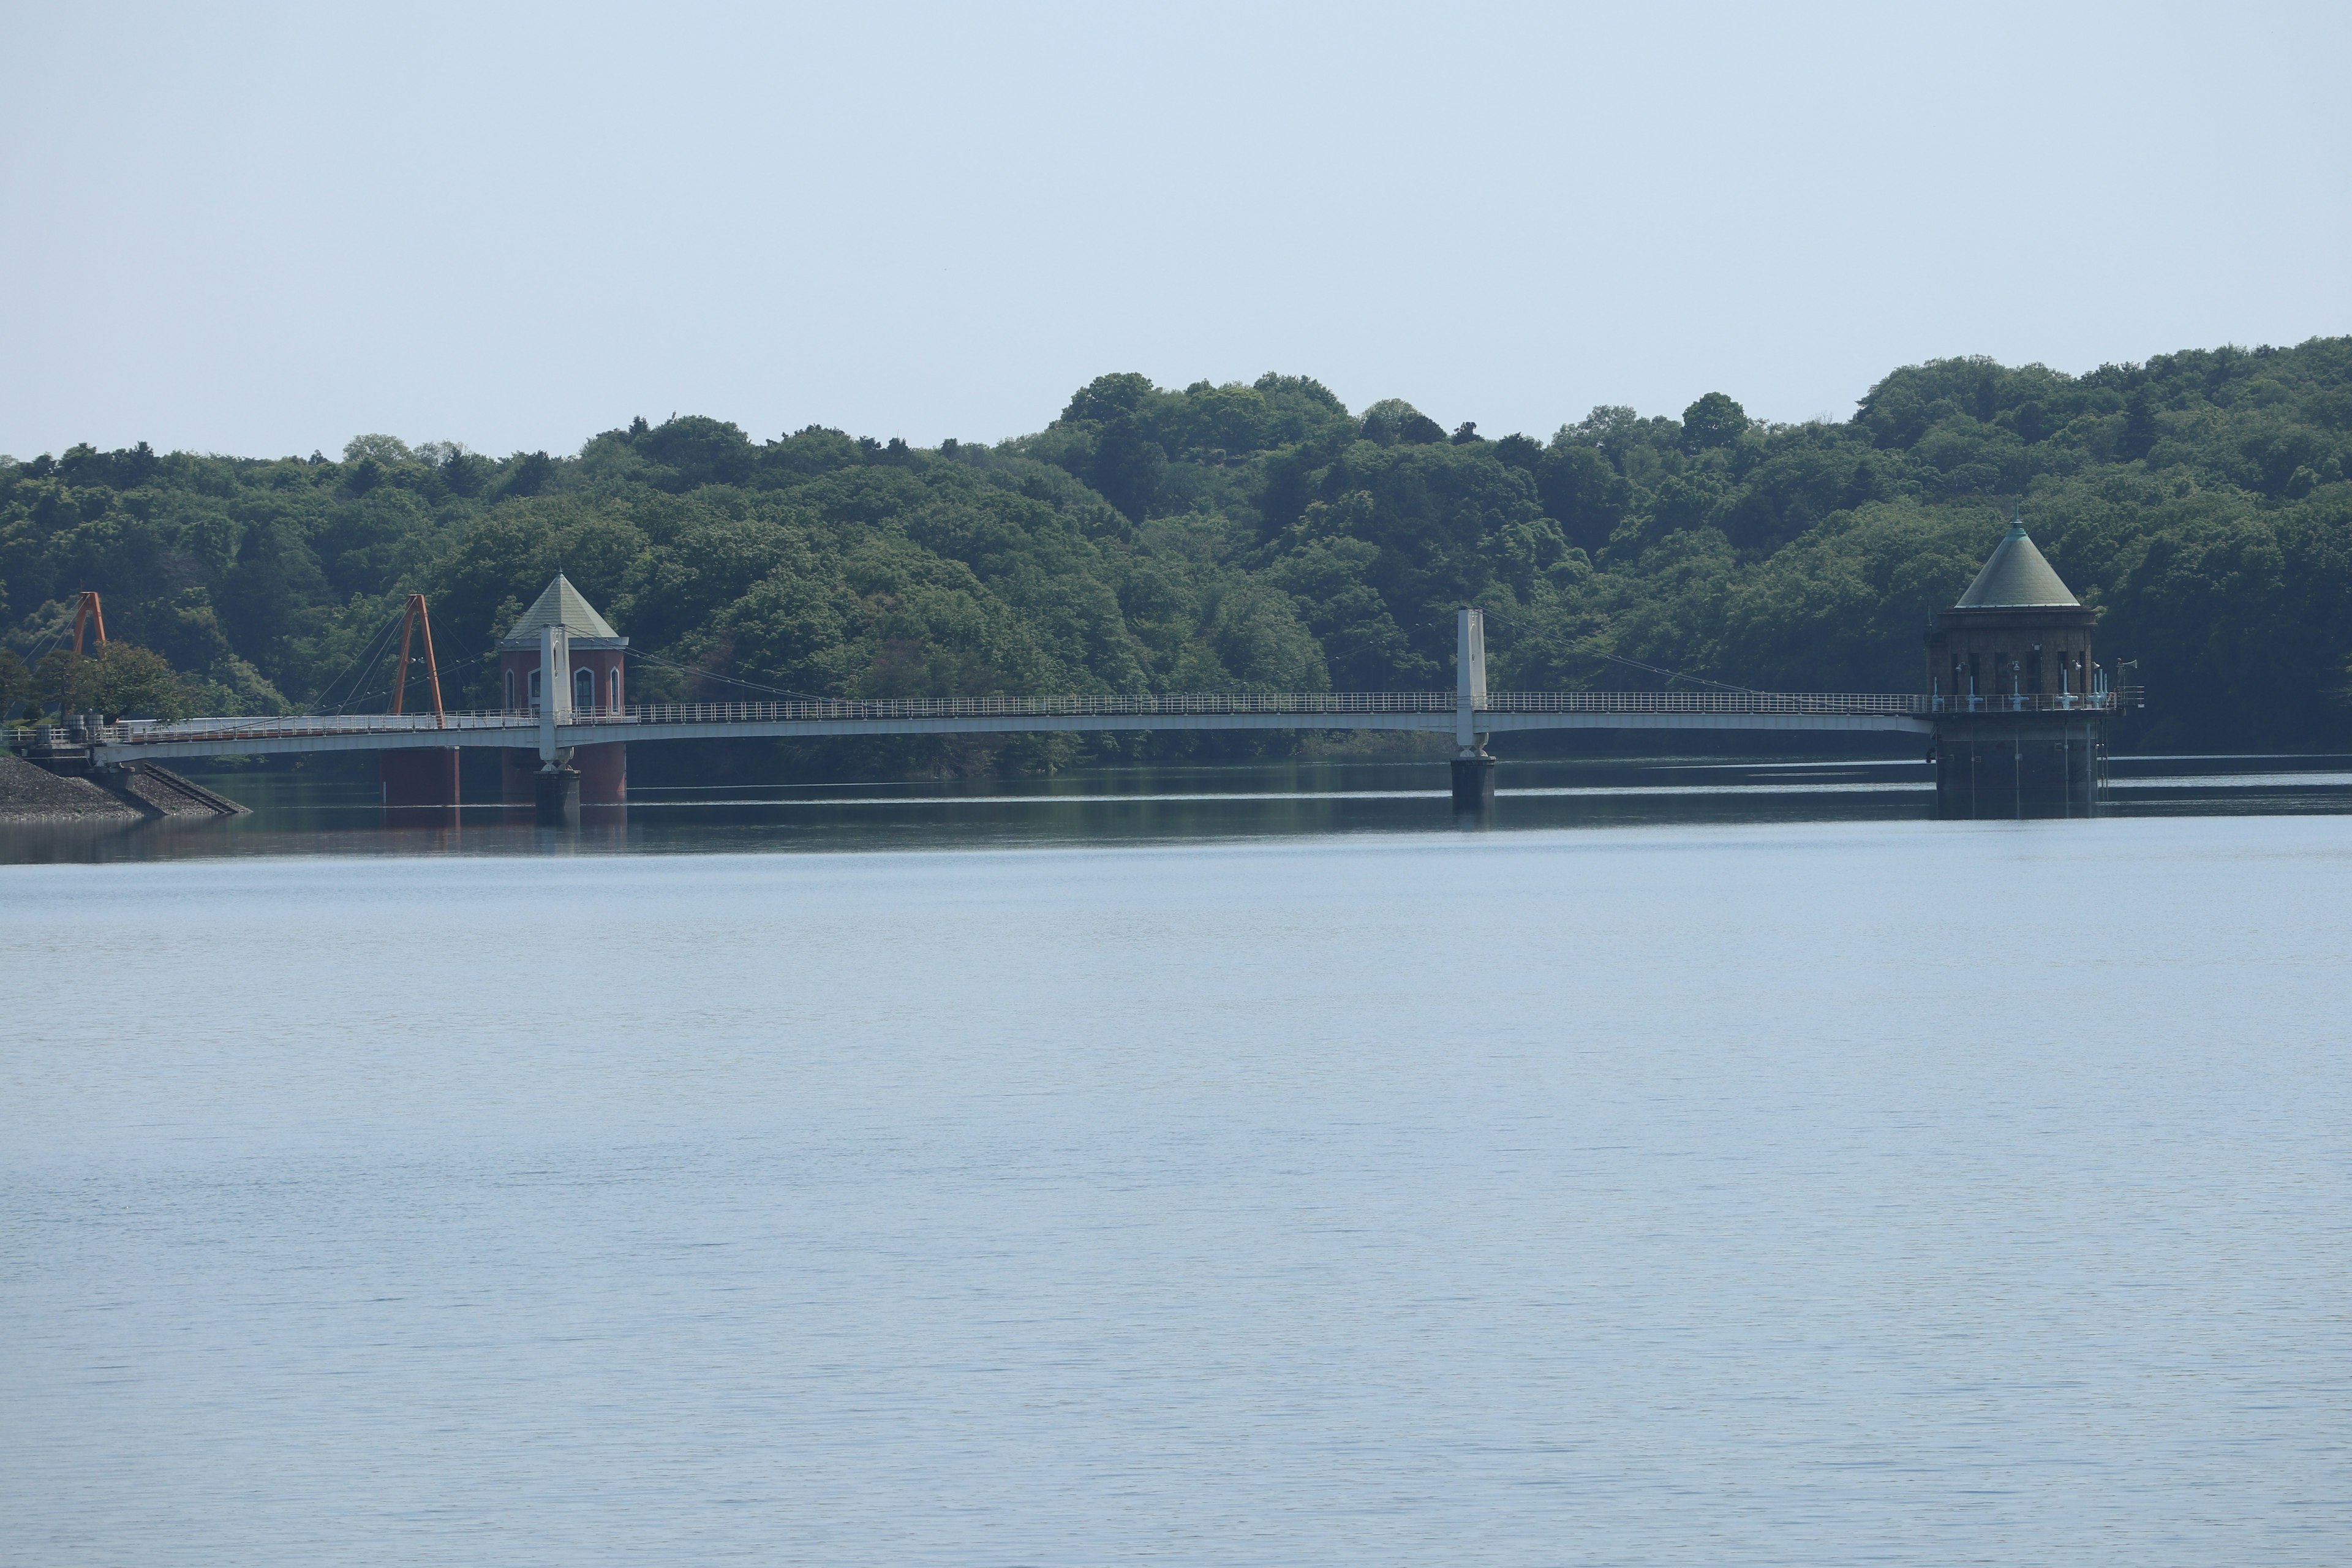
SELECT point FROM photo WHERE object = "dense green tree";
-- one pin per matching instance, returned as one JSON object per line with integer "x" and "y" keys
{"x": 16, "y": 684}
{"x": 138, "y": 683}
{"x": 121, "y": 680}
{"x": 1713, "y": 421}
{"x": 1260, "y": 536}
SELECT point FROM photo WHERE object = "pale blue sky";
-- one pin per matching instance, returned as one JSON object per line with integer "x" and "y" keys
{"x": 262, "y": 229}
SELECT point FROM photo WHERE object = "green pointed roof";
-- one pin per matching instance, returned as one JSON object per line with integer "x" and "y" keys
{"x": 562, "y": 605}
{"x": 2015, "y": 576}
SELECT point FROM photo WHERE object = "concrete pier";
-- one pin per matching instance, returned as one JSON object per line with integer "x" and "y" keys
{"x": 1473, "y": 783}
{"x": 2011, "y": 767}
{"x": 557, "y": 801}
{"x": 424, "y": 776}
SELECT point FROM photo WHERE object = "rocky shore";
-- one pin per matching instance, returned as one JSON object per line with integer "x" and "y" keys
{"x": 139, "y": 793}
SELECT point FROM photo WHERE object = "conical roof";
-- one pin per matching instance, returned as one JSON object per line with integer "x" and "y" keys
{"x": 562, "y": 605}
{"x": 2015, "y": 576}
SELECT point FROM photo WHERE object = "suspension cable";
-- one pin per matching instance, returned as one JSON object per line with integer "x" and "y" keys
{"x": 1513, "y": 621}
{"x": 382, "y": 635}
{"x": 729, "y": 679}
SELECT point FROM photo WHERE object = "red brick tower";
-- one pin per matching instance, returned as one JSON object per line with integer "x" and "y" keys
{"x": 599, "y": 683}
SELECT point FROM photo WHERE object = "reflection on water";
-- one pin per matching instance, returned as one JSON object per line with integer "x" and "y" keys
{"x": 334, "y": 810}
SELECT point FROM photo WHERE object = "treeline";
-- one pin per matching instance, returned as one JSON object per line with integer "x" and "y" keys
{"x": 1265, "y": 537}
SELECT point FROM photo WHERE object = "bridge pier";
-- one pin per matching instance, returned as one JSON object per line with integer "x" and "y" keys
{"x": 2011, "y": 767}
{"x": 419, "y": 778}
{"x": 603, "y": 772}
{"x": 1474, "y": 782}
{"x": 556, "y": 797}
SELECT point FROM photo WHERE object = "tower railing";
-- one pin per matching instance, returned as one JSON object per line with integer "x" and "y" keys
{"x": 2113, "y": 699}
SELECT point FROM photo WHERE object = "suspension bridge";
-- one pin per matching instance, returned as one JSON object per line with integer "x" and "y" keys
{"x": 566, "y": 714}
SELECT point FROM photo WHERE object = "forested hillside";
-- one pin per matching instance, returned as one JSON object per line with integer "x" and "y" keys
{"x": 1263, "y": 537}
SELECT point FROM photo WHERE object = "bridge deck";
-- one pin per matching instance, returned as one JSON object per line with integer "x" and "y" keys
{"x": 1428, "y": 710}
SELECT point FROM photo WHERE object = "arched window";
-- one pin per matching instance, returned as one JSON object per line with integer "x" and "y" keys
{"x": 510, "y": 701}
{"x": 584, "y": 688}
{"x": 534, "y": 689}
{"x": 613, "y": 688}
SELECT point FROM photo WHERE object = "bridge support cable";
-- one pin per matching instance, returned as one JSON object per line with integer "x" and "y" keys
{"x": 87, "y": 615}
{"x": 379, "y": 643}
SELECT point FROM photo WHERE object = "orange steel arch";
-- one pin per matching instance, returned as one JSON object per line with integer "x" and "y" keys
{"x": 87, "y": 612}
{"x": 413, "y": 619}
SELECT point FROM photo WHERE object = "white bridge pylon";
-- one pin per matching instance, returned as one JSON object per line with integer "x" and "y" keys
{"x": 555, "y": 701}
{"x": 1469, "y": 683}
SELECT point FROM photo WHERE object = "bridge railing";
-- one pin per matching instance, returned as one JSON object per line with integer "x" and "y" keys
{"x": 1103, "y": 706}
{"x": 1703, "y": 702}
{"x": 275, "y": 727}
{"x": 522, "y": 723}
{"x": 295, "y": 726}
{"x": 1897, "y": 704}
{"x": 1326, "y": 703}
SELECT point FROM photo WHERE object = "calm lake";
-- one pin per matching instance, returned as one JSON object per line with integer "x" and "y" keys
{"x": 1709, "y": 1163}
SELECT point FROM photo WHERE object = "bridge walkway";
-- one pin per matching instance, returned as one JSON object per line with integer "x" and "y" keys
{"x": 1434, "y": 712}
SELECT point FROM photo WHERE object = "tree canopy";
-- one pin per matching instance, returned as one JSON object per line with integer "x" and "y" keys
{"x": 1262, "y": 537}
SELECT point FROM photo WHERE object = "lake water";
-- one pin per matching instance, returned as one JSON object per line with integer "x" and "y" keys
{"x": 1267, "y": 1183}
{"x": 332, "y": 807}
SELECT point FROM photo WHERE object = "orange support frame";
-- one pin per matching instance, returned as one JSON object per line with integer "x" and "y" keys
{"x": 87, "y": 612}
{"x": 413, "y": 619}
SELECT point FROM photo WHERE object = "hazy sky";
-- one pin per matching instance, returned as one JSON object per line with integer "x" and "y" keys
{"x": 262, "y": 230}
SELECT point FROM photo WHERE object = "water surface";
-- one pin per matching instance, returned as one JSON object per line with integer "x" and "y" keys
{"x": 1757, "y": 1192}
{"x": 330, "y": 805}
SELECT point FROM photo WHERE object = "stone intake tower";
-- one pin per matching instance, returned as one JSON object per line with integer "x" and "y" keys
{"x": 2020, "y": 704}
